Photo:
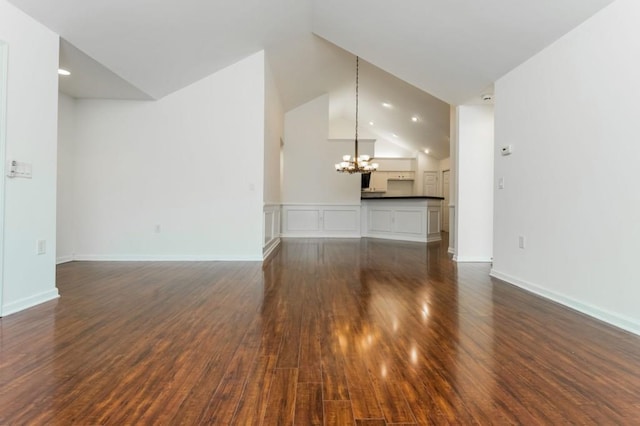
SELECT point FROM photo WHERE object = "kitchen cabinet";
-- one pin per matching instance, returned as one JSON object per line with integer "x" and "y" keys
{"x": 378, "y": 182}
{"x": 400, "y": 175}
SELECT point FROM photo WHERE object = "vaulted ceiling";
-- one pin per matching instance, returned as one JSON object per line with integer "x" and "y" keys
{"x": 414, "y": 51}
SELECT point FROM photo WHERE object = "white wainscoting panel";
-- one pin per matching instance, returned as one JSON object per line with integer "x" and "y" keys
{"x": 302, "y": 220}
{"x": 433, "y": 223}
{"x": 410, "y": 221}
{"x": 380, "y": 220}
{"x": 320, "y": 221}
{"x": 341, "y": 220}
{"x": 271, "y": 228}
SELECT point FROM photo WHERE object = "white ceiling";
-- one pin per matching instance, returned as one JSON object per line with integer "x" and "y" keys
{"x": 309, "y": 66}
{"x": 453, "y": 50}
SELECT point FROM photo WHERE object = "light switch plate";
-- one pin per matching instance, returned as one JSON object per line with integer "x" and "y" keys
{"x": 41, "y": 246}
{"x": 19, "y": 169}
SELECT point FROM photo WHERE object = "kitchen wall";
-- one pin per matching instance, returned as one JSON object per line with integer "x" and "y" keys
{"x": 31, "y": 123}
{"x": 309, "y": 157}
{"x": 341, "y": 128}
{"x": 571, "y": 114}
{"x": 177, "y": 178}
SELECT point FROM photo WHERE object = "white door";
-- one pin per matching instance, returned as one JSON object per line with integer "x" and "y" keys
{"x": 431, "y": 184}
{"x": 445, "y": 202}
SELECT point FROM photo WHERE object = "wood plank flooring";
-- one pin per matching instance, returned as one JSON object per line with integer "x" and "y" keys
{"x": 328, "y": 332}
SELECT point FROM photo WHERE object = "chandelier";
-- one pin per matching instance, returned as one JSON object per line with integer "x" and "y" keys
{"x": 357, "y": 163}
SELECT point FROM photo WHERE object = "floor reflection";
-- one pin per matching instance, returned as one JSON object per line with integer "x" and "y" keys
{"x": 326, "y": 329}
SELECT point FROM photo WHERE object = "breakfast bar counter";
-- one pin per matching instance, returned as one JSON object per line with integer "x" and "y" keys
{"x": 408, "y": 218}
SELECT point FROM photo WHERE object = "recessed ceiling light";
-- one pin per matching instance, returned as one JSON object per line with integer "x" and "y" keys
{"x": 386, "y": 104}
{"x": 414, "y": 119}
{"x": 426, "y": 151}
{"x": 394, "y": 135}
{"x": 371, "y": 123}
{"x": 63, "y": 72}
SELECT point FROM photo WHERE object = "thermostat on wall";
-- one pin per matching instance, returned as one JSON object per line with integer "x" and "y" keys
{"x": 506, "y": 150}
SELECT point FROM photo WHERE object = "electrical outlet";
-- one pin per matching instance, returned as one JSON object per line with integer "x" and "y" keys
{"x": 157, "y": 229}
{"x": 521, "y": 241}
{"x": 41, "y": 246}
{"x": 501, "y": 183}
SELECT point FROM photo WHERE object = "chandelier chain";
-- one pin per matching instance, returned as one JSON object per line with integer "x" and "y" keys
{"x": 357, "y": 83}
{"x": 357, "y": 163}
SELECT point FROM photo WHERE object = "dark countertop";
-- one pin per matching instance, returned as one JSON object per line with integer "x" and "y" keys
{"x": 406, "y": 197}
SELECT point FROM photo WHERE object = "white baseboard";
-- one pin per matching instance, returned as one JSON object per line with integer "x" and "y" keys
{"x": 396, "y": 237}
{"x": 316, "y": 235}
{"x": 471, "y": 259}
{"x": 269, "y": 248}
{"x": 620, "y": 321}
{"x": 450, "y": 250}
{"x": 29, "y": 302}
{"x": 64, "y": 259}
{"x": 165, "y": 258}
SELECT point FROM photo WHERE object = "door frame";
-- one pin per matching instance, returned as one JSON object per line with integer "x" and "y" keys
{"x": 4, "y": 61}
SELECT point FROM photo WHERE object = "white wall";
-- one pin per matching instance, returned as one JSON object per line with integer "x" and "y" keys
{"x": 474, "y": 206}
{"x": 341, "y": 128}
{"x": 571, "y": 114}
{"x": 445, "y": 164}
{"x": 191, "y": 163}
{"x": 387, "y": 149}
{"x": 65, "y": 229}
{"x": 396, "y": 164}
{"x": 309, "y": 158}
{"x": 30, "y": 204}
{"x": 273, "y": 133}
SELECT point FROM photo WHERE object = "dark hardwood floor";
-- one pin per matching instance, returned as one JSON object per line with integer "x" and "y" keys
{"x": 334, "y": 332}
